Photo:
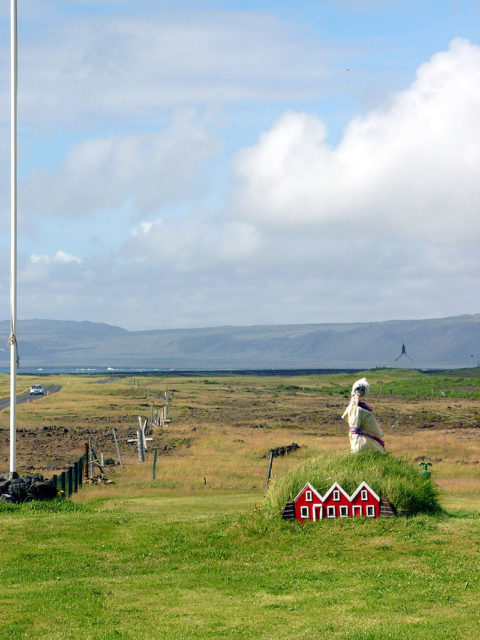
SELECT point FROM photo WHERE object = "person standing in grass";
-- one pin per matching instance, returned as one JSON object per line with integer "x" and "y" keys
{"x": 364, "y": 431}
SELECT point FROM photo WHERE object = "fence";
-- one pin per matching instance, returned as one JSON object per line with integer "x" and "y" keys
{"x": 71, "y": 480}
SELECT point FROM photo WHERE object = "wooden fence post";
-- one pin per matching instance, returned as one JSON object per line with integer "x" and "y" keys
{"x": 141, "y": 447}
{"x": 114, "y": 431}
{"x": 70, "y": 481}
{"x": 154, "y": 470}
{"x": 143, "y": 422}
{"x": 90, "y": 459}
{"x": 269, "y": 472}
{"x": 85, "y": 462}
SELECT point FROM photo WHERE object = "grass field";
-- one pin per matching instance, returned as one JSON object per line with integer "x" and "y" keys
{"x": 191, "y": 554}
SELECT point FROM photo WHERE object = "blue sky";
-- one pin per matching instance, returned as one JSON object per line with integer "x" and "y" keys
{"x": 189, "y": 164}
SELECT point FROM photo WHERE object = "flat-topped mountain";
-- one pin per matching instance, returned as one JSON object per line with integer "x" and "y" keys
{"x": 433, "y": 343}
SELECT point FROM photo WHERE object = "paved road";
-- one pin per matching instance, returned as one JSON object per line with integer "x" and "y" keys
{"x": 23, "y": 397}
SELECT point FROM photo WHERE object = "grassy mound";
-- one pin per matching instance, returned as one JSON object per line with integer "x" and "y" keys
{"x": 392, "y": 478}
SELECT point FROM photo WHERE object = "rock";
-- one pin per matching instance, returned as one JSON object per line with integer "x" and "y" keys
{"x": 109, "y": 462}
{"x": 42, "y": 491}
{"x": 99, "y": 479}
{"x": 5, "y": 497}
{"x": 7, "y": 476}
{"x": 281, "y": 451}
{"x": 4, "y": 486}
{"x": 18, "y": 489}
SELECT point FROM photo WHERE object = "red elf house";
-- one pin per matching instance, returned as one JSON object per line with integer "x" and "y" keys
{"x": 336, "y": 503}
{"x": 365, "y": 502}
{"x": 308, "y": 504}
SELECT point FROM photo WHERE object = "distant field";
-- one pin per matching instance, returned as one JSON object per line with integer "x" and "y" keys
{"x": 189, "y": 556}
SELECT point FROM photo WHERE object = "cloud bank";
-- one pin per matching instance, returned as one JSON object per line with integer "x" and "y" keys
{"x": 380, "y": 225}
{"x": 409, "y": 169}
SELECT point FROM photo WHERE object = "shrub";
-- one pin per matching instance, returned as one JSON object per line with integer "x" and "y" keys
{"x": 390, "y": 477}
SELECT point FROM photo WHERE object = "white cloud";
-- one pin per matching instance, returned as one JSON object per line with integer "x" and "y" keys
{"x": 112, "y": 65}
{"x": 147, "y": 170}
{"x": 61, "y": 257}
{"x": 410, "y": 168}
{"x": 379, "y": 226}
{"x": 191, "y": 243}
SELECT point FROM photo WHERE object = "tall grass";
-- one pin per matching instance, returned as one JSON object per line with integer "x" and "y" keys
{"x": 392, "y": 478}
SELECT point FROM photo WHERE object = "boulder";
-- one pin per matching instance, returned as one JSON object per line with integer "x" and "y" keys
{"x": 18, "y": 489}
{"x": 43, "y": 490}
{"x": 21, "y": 489}
{"x": 8, "y": 476}
{"x": 4, "y": 486}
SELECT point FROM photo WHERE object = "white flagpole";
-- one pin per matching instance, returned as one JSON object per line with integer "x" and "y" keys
{"x": 13, "y": 236}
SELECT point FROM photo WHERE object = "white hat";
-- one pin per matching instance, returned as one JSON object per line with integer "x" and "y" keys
{"x": 361, "y": 386}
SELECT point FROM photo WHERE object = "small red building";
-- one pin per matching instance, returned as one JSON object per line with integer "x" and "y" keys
{"x": 365, "y": 502}
{"x": 336, "y": 503}
{"x": 308, "y": 504}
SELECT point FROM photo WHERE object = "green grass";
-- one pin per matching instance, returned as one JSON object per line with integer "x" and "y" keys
{"x": 429, "y": 385}
{"x": 176, "y": 559}
{"x": 108, "y": 574}
{"x": 390, "y": 477}
{"x": 408, "y": 384}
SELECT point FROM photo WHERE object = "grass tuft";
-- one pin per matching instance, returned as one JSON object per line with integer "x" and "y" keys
{"x": 392, "y": 478}
{"x": 58, "y": 505}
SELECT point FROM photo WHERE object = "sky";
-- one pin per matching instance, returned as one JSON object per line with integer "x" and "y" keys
{"x": 190, "y": 164}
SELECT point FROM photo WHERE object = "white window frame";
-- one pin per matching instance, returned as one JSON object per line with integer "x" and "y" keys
{"x": 336, "y": 495}
{"x": 308, "y": 496}
{"x": 356, "y": 510}
{"x": 370, "y": 510}
{"x": 343, "y": 511}
{"x": 331, "y": 512}
{"x": 364, "y": 495}
{"x": 304, "y": 509}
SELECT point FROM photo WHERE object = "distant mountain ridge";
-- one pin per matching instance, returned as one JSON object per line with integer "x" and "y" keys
{"x": 431, "y": 343}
